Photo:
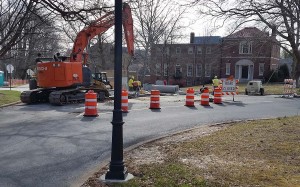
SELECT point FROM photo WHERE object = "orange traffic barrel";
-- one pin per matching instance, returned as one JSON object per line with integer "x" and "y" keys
{"x": 154, "y": 99}
{"x": 218, "y": 96}
{"x": 124, "y": 101}
{"x": 189, "y": 99}
{"x": 91, "y": 104}
{"x": 205, "y": 97}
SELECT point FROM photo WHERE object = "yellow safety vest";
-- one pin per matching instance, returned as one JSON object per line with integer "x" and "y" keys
{"x": 130, "y": 83}
{"x": 215, "y": 82}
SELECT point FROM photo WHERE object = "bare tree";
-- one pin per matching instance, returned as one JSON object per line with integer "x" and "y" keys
{"x": 156, "y": 21}
{"x": 14, "y": 17}
{"x": 281, "y": 16}
{"x": 73, "y": 10}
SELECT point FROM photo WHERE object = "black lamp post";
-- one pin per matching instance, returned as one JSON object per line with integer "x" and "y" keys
{"x": 117, "y": 171}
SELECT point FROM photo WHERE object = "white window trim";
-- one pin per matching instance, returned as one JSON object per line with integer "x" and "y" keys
{"x": 227, "y": 69}
{"x": 189, "y": 73}
{"x": 206, "y": 70}
{"x": 198, "y": 74}
{"x": 249, "y": 43}
{"x": 178, "y": 65}
{"x": 259, "y": 70}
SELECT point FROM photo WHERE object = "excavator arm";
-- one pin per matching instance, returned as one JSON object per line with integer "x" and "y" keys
{"x": 100, "y": 26}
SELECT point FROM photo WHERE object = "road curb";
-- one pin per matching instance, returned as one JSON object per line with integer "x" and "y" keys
{"x": 10, "y": 104}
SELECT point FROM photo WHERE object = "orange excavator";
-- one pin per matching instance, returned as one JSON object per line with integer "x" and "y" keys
{"x": 62, "y": 80}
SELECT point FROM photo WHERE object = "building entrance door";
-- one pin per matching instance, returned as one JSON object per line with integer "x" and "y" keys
{"x": 245, "y": 72}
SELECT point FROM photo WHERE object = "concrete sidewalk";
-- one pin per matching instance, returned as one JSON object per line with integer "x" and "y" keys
{"x": 17, "y": 88}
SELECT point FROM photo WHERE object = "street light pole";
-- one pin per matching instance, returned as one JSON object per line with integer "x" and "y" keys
{"x": 117, "y": 171}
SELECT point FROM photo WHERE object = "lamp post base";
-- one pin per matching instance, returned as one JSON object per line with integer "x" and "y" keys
{"x": 123, "y": 177}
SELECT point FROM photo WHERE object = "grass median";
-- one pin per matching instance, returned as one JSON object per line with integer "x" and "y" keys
{"x": 250, "y": 153}
{"x": 9, "y": 96}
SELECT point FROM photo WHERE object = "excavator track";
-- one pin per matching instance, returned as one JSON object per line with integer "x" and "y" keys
{"x": 76, "y": 95}
{"x": 39, "y": 95}
{"x": 62, "y": 97}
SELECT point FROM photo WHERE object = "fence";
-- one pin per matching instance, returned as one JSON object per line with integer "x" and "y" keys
{"x": 15, "y": 82}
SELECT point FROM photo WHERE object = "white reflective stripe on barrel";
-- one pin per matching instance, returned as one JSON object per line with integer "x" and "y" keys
{"x": 90, "y": 107}
{"x": 190, "y": 100}
{"x": 91, "y": 100}
{"x": 154, "y": 95}
{"x": 124, "y": 104}
{"x": 154, "y": 101}
{"x": 124, "y": 97}
{"x": 189, "y": 94}
{"x": 205, "y": 99}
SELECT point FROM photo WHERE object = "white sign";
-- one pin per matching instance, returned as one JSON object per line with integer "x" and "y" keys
{"x": 228, "y": 85}
{"x": 10, "y": 68}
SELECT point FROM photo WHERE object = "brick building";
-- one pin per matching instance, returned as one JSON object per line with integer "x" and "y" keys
{"x": 247, "y": 54}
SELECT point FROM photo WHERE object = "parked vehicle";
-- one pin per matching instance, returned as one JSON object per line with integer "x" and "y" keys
{"x": 254, "y": 87}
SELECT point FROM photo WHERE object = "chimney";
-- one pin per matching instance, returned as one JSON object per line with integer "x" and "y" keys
{"x": 192, "y": 38}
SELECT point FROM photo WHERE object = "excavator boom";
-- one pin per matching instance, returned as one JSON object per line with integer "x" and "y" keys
{"x": 100, "y": 26}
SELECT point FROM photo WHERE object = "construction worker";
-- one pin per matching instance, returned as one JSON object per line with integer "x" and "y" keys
{"x": 216, "y": 83}
{"x": 130, "y": 85}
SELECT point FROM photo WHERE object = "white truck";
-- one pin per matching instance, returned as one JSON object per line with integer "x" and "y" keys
{"x": 254, "y": 87}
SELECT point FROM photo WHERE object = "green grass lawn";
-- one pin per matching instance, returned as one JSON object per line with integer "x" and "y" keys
{"x": 9, "y": 96}
{"x": 250, "y": 153}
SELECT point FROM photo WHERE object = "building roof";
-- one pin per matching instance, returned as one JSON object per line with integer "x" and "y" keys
{"x": 208, "y": 40}
{"x": 248, "y": 32}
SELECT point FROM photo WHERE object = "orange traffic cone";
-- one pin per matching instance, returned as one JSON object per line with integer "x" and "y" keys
{"x": 205, "y": 97}
{"x": 91, "y": 104}
{"x": 124, "y": 103}
{"x": 189, "y": 101}
{"x": 218, "y": 96}
{"x": 154, "y": 99}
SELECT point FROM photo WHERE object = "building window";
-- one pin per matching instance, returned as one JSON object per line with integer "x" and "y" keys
{"x": 245, "y": 47}
{"x": 190, "y": 50}
{"x": 207, "y": 70}
{"x": 189, "y": 72}
{"x": 165, "y": 69}
{"x": 198, "y": 70}
{"x": 178, "y": 70}
{"x": 199, "y": 50}
{"x": 227, "y": 69}
{"x": 157, "y": 69}
{"x": 208, "y": 50}
{"x": 261, "y": 69}
{"x": 178, "y": 50}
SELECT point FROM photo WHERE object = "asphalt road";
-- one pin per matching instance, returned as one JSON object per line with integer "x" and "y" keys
{"x": 44, "y": 145}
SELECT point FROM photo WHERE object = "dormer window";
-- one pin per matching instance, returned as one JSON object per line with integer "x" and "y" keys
{"x": 246, "y": 47}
